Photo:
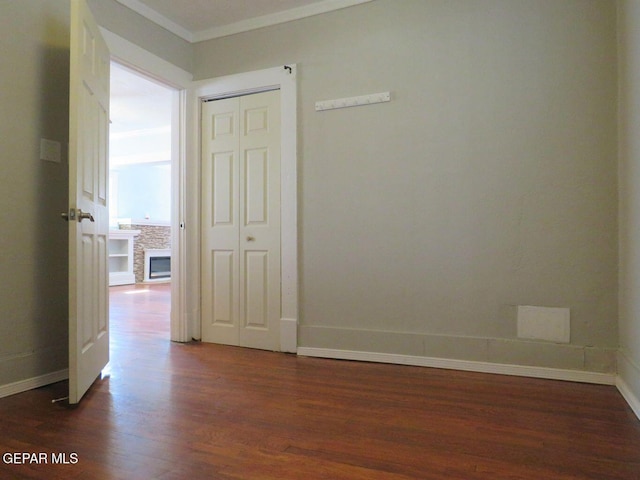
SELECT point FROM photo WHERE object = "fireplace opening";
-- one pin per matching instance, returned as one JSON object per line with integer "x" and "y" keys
{"x": 160, "y": 267}
{"x": 157, "y": 265}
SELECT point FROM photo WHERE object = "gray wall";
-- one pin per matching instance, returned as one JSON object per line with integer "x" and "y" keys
{"x": 33, "y": 246}
{"x": 629, "y": 171}
{"x": 488, "y": 182}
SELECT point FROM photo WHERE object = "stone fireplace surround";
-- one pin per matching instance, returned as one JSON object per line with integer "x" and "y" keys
{"x": 152, "y": 236}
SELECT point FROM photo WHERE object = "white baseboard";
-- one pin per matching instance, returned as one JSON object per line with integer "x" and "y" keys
{"x": 481, "y": 367}
{"x": 628, "y": 395}
{"x": 628, "y": 381}
{"x": 31, "y": 383}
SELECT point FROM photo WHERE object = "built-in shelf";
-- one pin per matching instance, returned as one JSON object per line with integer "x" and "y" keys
{"x": 121, "y": 257}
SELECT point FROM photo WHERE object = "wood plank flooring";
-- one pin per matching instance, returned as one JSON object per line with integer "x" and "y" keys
{"x": 200, "y": 411}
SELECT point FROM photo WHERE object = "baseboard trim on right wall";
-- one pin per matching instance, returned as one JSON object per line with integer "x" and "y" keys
{"x": 628, "y": 381}
{"x": 628, "y": 395}
{"x": 467, "y": 365}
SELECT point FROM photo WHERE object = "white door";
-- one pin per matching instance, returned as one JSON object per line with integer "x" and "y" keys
{"x": 88, "y": 214}
{"x": 241, "y": 221}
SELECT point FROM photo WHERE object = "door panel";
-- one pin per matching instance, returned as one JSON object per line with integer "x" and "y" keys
{"x": 260, "y": 222}
{"x": 241, "y": 220}
{"x": 224, "y": 313}
{"x": 223, "y": 175}
{"x": 257, "y": 178}
{"x": 256, "y": 290}
{"x": 220, "y": 213}
{"x": 88, "y": 177}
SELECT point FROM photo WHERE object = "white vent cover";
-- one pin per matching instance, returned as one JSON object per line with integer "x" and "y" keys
{"x": 544, "y": 323}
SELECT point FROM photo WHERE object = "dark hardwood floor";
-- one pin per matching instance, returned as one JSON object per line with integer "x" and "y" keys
{"x": 201, "y": 411}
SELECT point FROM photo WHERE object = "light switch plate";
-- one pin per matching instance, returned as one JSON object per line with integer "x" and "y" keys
{"x": 50, "y": 150}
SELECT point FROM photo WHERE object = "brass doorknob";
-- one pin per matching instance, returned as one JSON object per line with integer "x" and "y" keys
{"x": 250, "y": 238}
{"x": 82, "y": 215}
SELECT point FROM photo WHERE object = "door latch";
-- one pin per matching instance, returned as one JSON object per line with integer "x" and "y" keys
{"x": 69, "y": 216}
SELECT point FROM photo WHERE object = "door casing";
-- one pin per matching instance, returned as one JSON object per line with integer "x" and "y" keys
{"x": 284, "y": 79}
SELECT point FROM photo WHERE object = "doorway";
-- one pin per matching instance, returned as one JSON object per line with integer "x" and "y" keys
{"x": 140, "y": 198}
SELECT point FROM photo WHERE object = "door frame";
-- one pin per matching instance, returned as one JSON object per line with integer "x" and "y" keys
{"x": 154, "y": 67}
{"x": 284, "y": 78}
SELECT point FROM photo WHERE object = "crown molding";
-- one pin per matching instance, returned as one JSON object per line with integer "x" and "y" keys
{"x": 275, "y": 18}
{"x": 157, "y": 18}
{"x": 317, "y": 8}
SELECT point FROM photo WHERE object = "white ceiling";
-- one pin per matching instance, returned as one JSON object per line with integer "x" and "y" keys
{"x": 140, "y": 115}
{"x": 198, "y": 20}
{"x": 136, "y": 102}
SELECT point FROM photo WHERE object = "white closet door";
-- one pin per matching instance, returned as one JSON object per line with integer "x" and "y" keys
{"x": 241, "y": 221}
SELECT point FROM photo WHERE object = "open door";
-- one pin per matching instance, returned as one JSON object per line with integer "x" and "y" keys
{"x": 88, "y": 212}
